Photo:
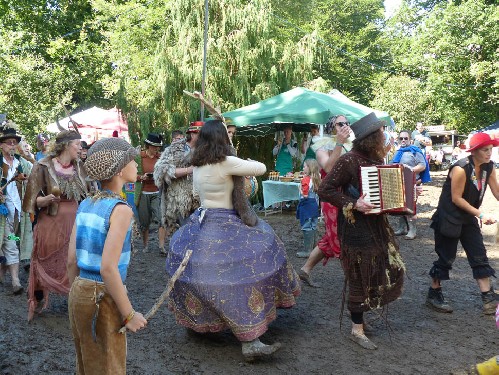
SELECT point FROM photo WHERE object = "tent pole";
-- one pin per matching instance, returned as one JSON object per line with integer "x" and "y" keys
{"x": 205, "y": 52}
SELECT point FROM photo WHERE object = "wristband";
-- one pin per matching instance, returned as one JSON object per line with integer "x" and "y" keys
{"x": 128, "y": 318}
{"x": 480, "y": 216}
{"x": 339, "y": 144}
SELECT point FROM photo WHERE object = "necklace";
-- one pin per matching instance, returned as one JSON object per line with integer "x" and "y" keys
{"x": 101, "y": 194}
{"x": 64, "y": 166}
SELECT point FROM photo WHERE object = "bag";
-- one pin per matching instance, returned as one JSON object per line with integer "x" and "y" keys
{"x": 450, "y": 227}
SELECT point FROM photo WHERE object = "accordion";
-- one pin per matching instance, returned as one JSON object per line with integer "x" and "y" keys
{"x": 390, "y": 188}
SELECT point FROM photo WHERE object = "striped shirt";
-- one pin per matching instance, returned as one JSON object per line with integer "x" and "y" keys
{"x": 92, "y": 226}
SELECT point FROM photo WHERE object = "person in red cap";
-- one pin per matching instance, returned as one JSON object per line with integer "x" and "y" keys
{"x": 173, "y": 176}
{"x": 458, "y": 218}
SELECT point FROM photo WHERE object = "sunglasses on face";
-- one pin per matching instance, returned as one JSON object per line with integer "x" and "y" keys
{"x": 342, "y": 123}
{"x": 404, "y": 138}
{"x": 11, "y": 143}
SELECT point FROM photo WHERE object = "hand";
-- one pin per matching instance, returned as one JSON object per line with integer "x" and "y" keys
{"x": 487, "y": 220}
{"x": 419, "y": 190}
{"x": 144, "y": 177}
{"x": 279, "y": 142}
{"x": 21, "y": 177}
{"x": 362, "y": 205}
{"x": 138, "y": 322}
{"x": 47, "y": 200}
{"x": 342, "y": 133}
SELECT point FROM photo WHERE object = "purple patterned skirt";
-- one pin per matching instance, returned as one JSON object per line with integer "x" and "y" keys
{"x": 236, "y": 278}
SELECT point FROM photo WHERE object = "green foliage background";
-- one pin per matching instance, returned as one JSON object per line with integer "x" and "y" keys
{"x": 433, "y": 61}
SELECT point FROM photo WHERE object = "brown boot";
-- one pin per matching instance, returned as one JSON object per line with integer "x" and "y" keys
{"x": 489, "y": 300}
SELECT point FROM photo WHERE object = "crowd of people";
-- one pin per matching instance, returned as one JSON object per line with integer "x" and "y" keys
{"x": 64, "y": 216}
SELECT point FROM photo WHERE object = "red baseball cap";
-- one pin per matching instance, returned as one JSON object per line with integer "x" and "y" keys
{"x": 480, "y": 140}
{"x": 195, "y": 127}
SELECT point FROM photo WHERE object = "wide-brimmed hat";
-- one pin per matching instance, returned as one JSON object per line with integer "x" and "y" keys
{"x": 480, "y": 140}
{"x": 154, "y": 139}
{"x": 8, "y": 130}
{"x": 84, "y": 145}
{"x": 195, "y": 127}
{"x": 366, "y": 125}
{"x": 107, "y": 157}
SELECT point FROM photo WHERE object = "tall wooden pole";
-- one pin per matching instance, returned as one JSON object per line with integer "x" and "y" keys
{"x": 205, "y": 52}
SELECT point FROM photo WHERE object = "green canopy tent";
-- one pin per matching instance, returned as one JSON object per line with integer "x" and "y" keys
{"x": 298, "y": 107}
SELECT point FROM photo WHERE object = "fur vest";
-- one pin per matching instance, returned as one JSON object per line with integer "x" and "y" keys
{"x": 43, "y": 179}
{"x": 177, "y": 200}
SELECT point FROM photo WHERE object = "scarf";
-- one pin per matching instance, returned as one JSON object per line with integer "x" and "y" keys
{"x": 424, "y": 175}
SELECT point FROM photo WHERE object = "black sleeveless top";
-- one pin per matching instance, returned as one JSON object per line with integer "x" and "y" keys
{"x": 471, "y": 193}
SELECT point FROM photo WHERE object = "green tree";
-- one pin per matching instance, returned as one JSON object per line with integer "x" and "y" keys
{"x": 453, "y": 51}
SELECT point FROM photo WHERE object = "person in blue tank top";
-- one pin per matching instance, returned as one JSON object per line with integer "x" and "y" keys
{"x": 98, "y": 258}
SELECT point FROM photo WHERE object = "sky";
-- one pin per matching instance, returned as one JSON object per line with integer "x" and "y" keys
{"x": 391, "y": 6}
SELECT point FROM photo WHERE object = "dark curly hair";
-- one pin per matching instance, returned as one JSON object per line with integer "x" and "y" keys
{"x": 212, "y": 145}
{"x": 372, "y": 145}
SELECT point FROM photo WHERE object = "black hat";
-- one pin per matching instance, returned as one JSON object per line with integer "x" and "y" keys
{"x": 8, "y": 130}
{"x": 154, "y": 139}
{"x": 366, "y": 125}
{"x": 84, "y": 145}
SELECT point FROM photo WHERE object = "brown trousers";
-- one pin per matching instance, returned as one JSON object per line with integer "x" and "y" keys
{"x": 106, "y": 355}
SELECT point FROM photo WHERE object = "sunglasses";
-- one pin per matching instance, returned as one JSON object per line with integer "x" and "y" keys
{"x": 404, "y": 138}
{"x": 341, "y": 123}
{"x": 11, "y": 143}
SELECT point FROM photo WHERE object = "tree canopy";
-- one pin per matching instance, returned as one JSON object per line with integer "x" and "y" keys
{"x": 433, "y": 61}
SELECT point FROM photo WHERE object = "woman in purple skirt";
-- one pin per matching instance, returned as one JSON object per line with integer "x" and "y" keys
{"x": 238, "y": 274}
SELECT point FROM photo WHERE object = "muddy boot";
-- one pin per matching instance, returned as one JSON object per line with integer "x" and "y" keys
{"x": 489, "y": 300}
{"x": 412, "y": 230}
{"x": 401, "y": 227}
{"x": 308, "y": 243}
{"x": 435, "y": 300}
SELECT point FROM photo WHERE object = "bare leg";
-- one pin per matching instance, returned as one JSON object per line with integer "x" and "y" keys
{"x": 14, "y": 274}
{"x": 435, "y": 283}
{"x": 145, "y": 238}
{"x": 161, "y": 237}
{"x": 315, "y": 257}
{"x": 484, "y": 284}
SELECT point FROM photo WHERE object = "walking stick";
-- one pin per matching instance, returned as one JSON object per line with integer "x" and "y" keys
{"x": 161, "y": 299}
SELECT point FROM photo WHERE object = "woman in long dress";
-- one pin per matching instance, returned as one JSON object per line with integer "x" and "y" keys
{"x": 55, "y": 186}
{"x": 238, "y": 274}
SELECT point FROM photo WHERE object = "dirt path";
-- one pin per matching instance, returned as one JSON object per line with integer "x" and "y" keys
{"x": 416, "y": 340}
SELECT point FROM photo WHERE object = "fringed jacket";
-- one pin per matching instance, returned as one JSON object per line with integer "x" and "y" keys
{"x": 43, "y": 180}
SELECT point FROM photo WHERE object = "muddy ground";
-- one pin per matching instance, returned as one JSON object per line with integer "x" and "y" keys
{"x": 414, "y": 340}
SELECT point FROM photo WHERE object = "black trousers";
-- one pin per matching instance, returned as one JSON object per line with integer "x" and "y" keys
{"x": 472, "y": 240}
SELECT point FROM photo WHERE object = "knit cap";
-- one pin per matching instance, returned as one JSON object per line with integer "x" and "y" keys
{"x": 107, "y": 157}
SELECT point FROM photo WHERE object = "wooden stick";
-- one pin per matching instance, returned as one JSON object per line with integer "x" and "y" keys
{"x": 168, "y": 289}
{"x": 169, "y": 286}
{"x": 208, "y": 104}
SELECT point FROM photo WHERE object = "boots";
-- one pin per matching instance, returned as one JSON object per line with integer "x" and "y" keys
{"x": 435, "y": 300}
{"x": 401, "y": 227}
{"x": 489, "y": 300}
{"x": 412, "y": 230}
{"x": 308, "y": 243}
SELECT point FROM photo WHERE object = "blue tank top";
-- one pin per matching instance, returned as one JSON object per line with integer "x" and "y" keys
{"x": 92, "y": 226}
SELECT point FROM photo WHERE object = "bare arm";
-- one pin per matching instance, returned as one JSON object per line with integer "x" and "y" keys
{"x": 494, "y": 186}
{"x": 342, "y": 133}
{"x": 72, "y": 265}
{"x": 118, "y": 224}
{"x": 182, "y": 172}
